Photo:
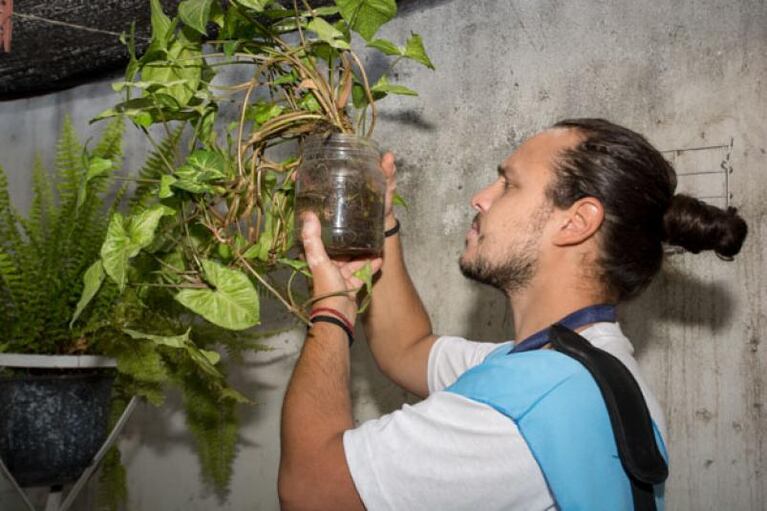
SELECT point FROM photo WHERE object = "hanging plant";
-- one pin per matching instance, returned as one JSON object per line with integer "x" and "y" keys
{"x": 212, "y": 228}
{"x": 220, "y": 222}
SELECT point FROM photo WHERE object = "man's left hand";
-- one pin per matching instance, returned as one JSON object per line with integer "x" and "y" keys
{"x": 332, "y": 276}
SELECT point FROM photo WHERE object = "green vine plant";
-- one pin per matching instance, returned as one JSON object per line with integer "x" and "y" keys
{"x": 210, "y": 230}
{"x": 220, "y": 225}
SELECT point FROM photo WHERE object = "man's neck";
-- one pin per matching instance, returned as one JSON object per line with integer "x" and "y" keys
{"x": 533, "y": 310}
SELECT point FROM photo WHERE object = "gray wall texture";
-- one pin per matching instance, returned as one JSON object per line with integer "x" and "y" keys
{"x": 689, "y": 74}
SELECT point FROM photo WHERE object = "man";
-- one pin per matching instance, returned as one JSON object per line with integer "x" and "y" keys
{"x": 573, "y": 224}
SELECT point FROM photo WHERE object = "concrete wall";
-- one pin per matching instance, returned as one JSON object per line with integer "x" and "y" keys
{"x": 689, "y": 74}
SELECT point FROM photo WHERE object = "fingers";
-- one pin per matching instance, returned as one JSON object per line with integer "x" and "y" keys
{"x": 348, "y": 270}
{"x": 311, "y": 237}
{"x": 388, "y": 166}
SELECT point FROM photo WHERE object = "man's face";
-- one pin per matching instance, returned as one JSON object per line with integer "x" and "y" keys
{"x": 503, "y": 247}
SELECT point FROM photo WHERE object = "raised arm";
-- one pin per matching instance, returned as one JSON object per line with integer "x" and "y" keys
{"x": 397, "y": 326}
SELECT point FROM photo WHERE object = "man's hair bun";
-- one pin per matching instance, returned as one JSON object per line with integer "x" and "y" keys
{"x": 696, "y": 226}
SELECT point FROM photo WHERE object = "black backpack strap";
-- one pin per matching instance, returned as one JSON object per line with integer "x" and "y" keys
{"x": 629, "y": 416}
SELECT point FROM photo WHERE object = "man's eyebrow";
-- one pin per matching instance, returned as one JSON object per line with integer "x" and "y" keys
{"x": 506, "y": 171}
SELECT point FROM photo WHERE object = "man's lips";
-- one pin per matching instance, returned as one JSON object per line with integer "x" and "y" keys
{"x": 474, "y": 230}
{"x": 475, "y": 224}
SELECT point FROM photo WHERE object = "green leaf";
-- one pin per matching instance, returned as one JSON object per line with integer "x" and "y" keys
{"x": 261, "y": 111}
{"x": 387, "y": 47}
{"x": 359, "y": 98}
{"x": 126, "y": 237}
{"x": 287, "y": 78}
{"x": 230, "y": 47}
{"x": 310, "y": 103}
{"x": 328, "y": 10}
{"x": 296, "y": 264}
{"x": 180, "y": 73}
{"x": 365, "y": 274}
{"x": 201, "y": 167}
{"x": 144, "y": 119}
{"x": 210, "y": 164}
{"x": 328, "y": 33}
{"x": 205, "y": 359}
{"x": 384, "y": 86}
{"x": 96, "y": 167}
{"x": 256, "y": 5}
{"x": 117, "y": 249}
{"x": 230, "y": 393}
{"x": 143, "y": 225}
{"x": 366, "y": 16}
{"x": 195, "y": 14}
{"x": 171, "y": 341}
{"x": 165, "y": 183}
{"x": 160, "y": 22}
{"x": 232, "y": 303}
{"x": 398, "y": 200}
{"x": 150, "y": 86}
{"x": 92, "y": 278}
{"x": 129, "y": 108}
{"x": 414, "y": 50}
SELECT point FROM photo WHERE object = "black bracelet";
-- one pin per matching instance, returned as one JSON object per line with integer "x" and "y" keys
{"x": 337, "y": 322}
{"x": 394, "y": 230}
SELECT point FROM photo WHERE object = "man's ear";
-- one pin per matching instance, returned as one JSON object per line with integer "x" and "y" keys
{"x": 580, "y": 221}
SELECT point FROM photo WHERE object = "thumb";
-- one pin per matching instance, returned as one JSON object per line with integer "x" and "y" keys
{"x": 311, "y": 237}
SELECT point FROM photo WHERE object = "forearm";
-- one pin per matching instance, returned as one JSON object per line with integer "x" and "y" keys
{"x": 317, "y": 404}
{"x": 396, "y": 319}
{"x": 315, "y": 413}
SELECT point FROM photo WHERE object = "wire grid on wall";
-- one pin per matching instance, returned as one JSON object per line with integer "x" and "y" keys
{"x": 704, "y": 173}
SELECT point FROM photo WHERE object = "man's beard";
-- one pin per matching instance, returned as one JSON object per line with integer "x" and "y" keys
{"x": 518, "y": 269}
{"x": 509, "y": 276}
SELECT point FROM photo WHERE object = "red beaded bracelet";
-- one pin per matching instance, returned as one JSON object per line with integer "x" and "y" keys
{"x": 334, "y": 312}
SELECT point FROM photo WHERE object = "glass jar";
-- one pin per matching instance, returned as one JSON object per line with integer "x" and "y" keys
{"x": 341, "y": 181}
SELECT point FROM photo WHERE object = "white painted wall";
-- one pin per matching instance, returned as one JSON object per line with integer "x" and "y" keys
{"x": 686, "y": 73}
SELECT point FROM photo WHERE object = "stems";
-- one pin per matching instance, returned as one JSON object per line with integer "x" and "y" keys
{"x": 299, "y": 313}
{"x": 368, "y": 93}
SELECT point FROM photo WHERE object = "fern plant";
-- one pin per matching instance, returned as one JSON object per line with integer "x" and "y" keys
{"x": 46, "y": 307}
{"x": 44, "y": 255}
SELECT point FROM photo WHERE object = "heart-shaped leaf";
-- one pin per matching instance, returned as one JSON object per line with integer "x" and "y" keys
{"x": 195, "y": 14}
{"x": 366, "y": 16}
{"x": 126, "y": 237}
{"x": 231, "y": 303}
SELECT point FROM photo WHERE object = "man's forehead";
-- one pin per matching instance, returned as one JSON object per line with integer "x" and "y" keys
{"x": 539, "y": 150}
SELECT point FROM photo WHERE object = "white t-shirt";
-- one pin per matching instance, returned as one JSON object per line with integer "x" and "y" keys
{"x": 451, "y": 453}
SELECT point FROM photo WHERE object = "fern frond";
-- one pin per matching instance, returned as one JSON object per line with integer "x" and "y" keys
{"x": 154, "y": 168}
{"x": 10, "y": 237}
{"x": 37, "y": 224}
{"x": 110, "y": 144}
{"x": 68, "y": 164}
{"x": 213, "y": 422}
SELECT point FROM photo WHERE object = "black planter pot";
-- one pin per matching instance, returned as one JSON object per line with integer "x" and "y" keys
{"x": 52, "y": 425}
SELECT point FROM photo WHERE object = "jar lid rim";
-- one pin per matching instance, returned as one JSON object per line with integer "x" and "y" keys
{"x": 366, "y": 142}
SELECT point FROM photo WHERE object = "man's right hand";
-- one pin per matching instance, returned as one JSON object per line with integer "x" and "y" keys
{"x": 396, "y": 325}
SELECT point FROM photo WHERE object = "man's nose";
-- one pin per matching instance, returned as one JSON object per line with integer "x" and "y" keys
{"x": 483, "y": 199}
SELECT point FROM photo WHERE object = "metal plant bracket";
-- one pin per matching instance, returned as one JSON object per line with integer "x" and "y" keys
{"x": 53, "y": 503}
{"x": 6, "y": 11}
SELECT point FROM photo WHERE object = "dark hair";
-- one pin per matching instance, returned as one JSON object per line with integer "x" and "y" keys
{"x": 636, "y": 185}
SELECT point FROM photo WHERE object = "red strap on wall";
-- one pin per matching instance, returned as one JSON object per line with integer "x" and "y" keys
{"x": 6, "y": 11}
